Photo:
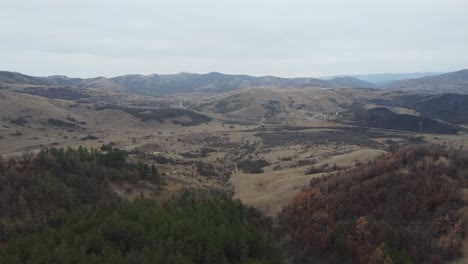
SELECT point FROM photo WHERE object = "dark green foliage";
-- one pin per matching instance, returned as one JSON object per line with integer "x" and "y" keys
{"x": 322, "y": 169}
{"x": 57, "y": 207}
{"x": 272, "y": 108}
{"x": 356, "y": 112}
{"x": 204, "y": 152}
{"x": 57, "y": 93}
{"x": 393, "y": 248}
{"x": 449, "y": 107}
{"x": 382, "y": 117}
{"x": 340, "y": 238}
{"x": 161, "y": 114}
{"x": 90, "y": 137}
{"x": 206, "y": 169}
{"x": 230, "y": 104}
{"x": 63, "y": 124}
{"x": 252, "y": 166}
{"x": 20, "y": 121}
{"x": 193, "y": 228}
{"x": 165, "y": 113}
{"x": 37, "y": 190}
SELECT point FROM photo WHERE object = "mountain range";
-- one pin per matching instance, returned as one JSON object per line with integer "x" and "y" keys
{"x": 215, "y": 83}
{"x": 381, "y": 79}
{"x": 452, "y": 82}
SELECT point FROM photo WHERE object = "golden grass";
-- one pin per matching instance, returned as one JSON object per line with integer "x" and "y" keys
{"x": 272, "y": 190}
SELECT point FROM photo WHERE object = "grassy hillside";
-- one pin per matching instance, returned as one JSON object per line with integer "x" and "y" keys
{"x": 452, "y": 108}
{"x": 382, "y": 117}
{"x": 452, "y": 82}
{"x": 162, "y": 114}
{"x": 352, "y": 82}
{"x": 401, "y": 208}
{"x": 166, "y": 84}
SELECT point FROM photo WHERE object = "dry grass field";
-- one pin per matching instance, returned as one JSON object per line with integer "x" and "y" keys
{"x": 272, "y": 190}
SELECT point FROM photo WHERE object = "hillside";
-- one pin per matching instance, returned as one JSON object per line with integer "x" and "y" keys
{"x": 170, "y": 84}
{"x": 452, "y": 82}
{"x": 208, "y": 83}
{"x": 385, "y": 78}
{"x": 383, "y": 117}
{"x": 35, "y": 188}
{"x": 448, "y": 107}
{"x": 401, "y": 208}
{"x": 352, "y": 82}
{"x": 60, "y": 207}
{"x": 215, "y": 83}
{"x": 18, "y": 78}
{"x": 363, "y": 107}
{"x": 272, "y": 105}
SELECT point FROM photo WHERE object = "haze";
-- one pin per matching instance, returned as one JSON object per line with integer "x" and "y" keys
{"x": 284, "y": 38}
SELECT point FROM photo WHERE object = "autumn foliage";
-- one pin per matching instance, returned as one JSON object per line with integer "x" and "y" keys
{"x": 404, "y": 207}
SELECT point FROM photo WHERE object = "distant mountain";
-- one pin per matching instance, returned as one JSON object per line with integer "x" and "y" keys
{"x": 452, "y": 82}
{"x": 215, "y": 83}
{"x": 352, "y": 82}
{"x": 208, "y": 83}
{"x": 170, "y": 84}
{"x": 383, "y": 78}
{"x": 18, "y": 78}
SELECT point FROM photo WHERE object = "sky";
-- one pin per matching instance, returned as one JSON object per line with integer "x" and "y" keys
{"x": 289, "y": 38}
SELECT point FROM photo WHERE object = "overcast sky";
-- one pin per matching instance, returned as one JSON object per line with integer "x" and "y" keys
{"x": 290, "y": 38}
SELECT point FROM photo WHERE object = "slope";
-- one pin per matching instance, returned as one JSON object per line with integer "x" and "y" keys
{"x": 352, "y": 82}
{"x": 402, "y": 207}
{"x": 452, "y": 82}
{"x": 169, "y": 84}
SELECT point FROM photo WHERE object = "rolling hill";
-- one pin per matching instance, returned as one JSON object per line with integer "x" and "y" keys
{"x": 452, "y": 82}
{"x": 169, "y": 84}
{"x": 352, "y": 82}
{"x": 448, "y": 107}
{"x": 181, "y": 83}
{"x": 18, "y": 78}
{"x": 215, "y": 83}
{"x": 384, "y": 78}
{"x": 270, "y": 105}
{"x": 404, "y": 207}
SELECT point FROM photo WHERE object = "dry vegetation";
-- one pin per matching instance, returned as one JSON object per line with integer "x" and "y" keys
{"x": 407, "y": 206}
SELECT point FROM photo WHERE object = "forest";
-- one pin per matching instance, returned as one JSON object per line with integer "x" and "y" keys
{"x": 193, "y": 228}
{"x": 57, "y": 207}
{"x": 405, "y": 207}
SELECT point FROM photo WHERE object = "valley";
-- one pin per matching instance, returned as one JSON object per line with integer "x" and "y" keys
{"x": 261, "y": 145}
{"x": 200, "y": 141}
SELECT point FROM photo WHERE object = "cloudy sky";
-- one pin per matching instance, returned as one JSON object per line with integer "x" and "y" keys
{"x": 288, "y": 38}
